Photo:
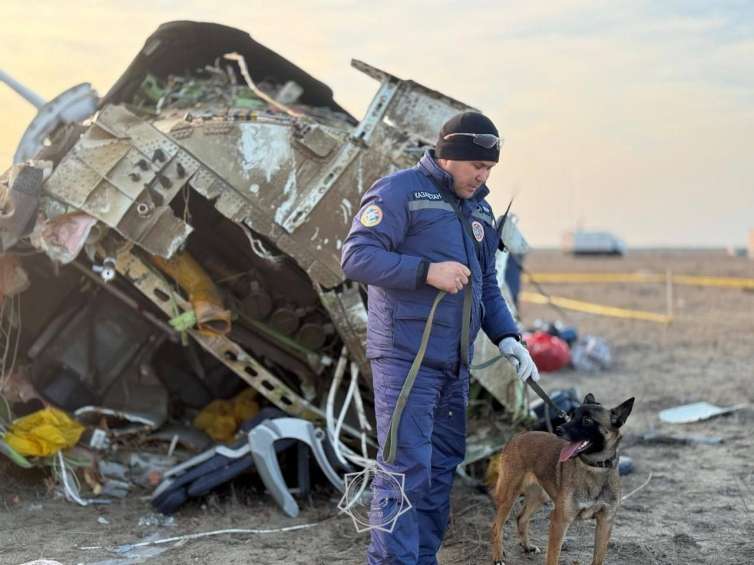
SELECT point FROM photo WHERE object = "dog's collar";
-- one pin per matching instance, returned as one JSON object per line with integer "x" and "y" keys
{"x": 604, "y": 464}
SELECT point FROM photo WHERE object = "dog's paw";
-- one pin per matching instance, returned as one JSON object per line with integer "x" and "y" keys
{"x": 528, "y": 548}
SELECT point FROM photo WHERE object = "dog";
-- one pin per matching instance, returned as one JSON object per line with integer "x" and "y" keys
{"x": 577, "y": 470}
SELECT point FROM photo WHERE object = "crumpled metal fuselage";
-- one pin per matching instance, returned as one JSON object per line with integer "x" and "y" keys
{"x": 291, "y": 181}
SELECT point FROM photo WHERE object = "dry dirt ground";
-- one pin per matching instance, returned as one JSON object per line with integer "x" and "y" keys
{"x": 697, "y": 508}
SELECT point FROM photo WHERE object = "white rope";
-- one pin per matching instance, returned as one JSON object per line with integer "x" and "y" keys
{"x": 363, "y": 421}
{"x": 637, "y": 489}
{"x": 128, "y": 547}
{"x": 330, "y": 406}
{"x": 346, "y": 401}
{"x": 70, "y": 494}
{"x": 238, "y": 58}
{"x": 343, "y": 453}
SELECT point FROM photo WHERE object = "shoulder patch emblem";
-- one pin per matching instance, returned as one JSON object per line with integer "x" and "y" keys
{"x": 371, "y": 216}
{"x": 478, "y": 230}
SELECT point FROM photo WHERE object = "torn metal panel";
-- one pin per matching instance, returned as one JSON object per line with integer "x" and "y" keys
{"x": 499, "y": 379}
{"x": 418, "y": 111}
{"x": 348, "y": 152}
{"x": 124, "y": 172}
{"x": 317, "y": 140}
{"x": 63, "y": 237}
{"x": 21, "y": 187}
{"x": 511, "y": 236}
{"x": 370, "y": 152}
{"x": 73, "y": 105}
{"x": 141, "y": 421}
{"x": 263, "y": 168}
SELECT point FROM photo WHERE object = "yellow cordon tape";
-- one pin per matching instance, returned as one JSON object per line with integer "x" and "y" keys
{"x": 690, "y": 280}
{"x": 730, "y": 282}
{"x": 590, "y": 308}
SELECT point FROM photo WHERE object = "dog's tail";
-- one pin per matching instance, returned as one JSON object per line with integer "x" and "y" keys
{"x": 492, "y": 476}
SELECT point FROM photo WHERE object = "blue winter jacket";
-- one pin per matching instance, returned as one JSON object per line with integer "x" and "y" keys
{"x": 404, "y": 224}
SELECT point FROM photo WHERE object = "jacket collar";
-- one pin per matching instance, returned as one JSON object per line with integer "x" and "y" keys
{"x": 428, "y": 165}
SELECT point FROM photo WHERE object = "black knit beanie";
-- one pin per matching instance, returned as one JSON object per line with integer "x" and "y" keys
{"x": 462, "y": 147}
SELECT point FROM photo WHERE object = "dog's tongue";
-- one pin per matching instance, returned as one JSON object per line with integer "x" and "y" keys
{"x": 571, "y": 449}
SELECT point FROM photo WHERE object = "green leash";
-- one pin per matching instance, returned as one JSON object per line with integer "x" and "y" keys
{"x": 487, "y": 363}
{"x": 391, "y": 443}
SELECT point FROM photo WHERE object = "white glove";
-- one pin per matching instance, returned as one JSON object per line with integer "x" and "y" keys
{"x": 517, "y": 354}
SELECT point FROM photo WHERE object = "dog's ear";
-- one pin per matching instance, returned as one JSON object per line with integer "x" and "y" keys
{"x": 619, "y": 414}
{"x": 589, "y": 399}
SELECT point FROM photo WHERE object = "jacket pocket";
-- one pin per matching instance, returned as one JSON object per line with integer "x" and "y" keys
{"x": 408, "y": 325}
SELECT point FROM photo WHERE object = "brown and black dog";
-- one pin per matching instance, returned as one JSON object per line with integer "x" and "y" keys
{"x": 578, "y": 471}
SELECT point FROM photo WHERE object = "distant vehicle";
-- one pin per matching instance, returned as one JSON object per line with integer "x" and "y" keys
{"x": 593, "y": 243}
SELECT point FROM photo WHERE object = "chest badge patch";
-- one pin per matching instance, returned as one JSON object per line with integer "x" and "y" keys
{"x": 478, "y": 230}
{"x": 371, "y": 216}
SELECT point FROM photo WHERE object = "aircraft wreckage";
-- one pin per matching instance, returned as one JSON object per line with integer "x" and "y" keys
{"x": 204, "y": 201}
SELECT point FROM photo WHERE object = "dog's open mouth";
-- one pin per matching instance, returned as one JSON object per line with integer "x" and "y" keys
{"x": 572, "y": 449}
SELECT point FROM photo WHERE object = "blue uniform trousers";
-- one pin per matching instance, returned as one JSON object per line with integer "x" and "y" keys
{"x": 431, "y": 444}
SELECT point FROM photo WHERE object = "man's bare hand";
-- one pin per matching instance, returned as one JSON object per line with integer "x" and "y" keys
{"x": 449, "y": 276}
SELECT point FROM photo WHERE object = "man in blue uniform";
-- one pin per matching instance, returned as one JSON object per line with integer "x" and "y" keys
{"x": 420, "y": 231}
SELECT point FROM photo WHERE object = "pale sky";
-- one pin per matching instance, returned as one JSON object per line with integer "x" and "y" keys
{"x": 632, "y": 116}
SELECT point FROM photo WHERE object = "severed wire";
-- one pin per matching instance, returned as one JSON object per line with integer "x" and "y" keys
{"x": 259, "y": 249}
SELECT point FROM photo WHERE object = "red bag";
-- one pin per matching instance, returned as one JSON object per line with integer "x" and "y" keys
{"x": 549, "y": 353}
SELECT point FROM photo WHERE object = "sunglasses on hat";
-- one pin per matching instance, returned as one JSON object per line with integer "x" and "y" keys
{"x": 486, "y": 140}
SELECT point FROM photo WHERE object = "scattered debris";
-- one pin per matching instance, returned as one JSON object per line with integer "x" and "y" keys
{"x": 159, "y": 520}
{"x": 591, "y": 353}
{"x": 262, "y": 440}
{"x": 119, "y": 422}
{"x": 220, "y": 418}
{"x": 657, "y": 438}
{"x": 695, "y": 412}
{"x": 70, "y": 483}
{"x": 625, "y": 465}
{"x": 566, "y": 399}
{"x": 549, "y": 353}
{"x": 43, "y": 433}
{"x": 133, "y": 554}
{"x": 557, "y": 328}
{"x": 183, "y": 435}
{"x": 111, "y": 470}
{"x": 115, "y": 489}
{"x": 147, "y": 469}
